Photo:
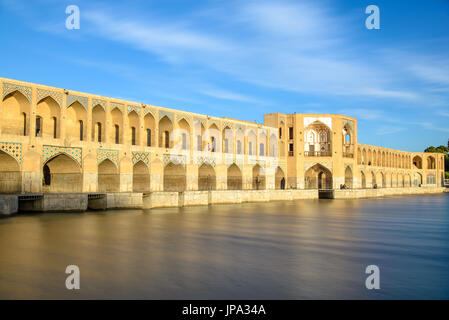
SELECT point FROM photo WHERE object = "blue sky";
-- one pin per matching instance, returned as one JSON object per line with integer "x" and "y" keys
{"x": 245, "y": 58}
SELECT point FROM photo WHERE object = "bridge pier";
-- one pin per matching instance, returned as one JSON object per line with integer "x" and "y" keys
{"x": 9, "y": 204}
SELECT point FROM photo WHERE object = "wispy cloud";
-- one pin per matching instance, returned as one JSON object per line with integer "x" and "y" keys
{"x": 228, "y": 95}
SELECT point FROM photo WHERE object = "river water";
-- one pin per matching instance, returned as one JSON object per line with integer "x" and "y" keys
{"x": 307, "y": 249}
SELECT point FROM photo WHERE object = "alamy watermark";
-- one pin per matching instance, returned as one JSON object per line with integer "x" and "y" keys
{"x": 73, "y": 20}
{"x": 373, "y": 20}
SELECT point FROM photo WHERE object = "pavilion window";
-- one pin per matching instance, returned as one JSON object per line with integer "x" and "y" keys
{"x": 226, "y": 146}
{"x": 81, "y": 130}
{"x": 280, "y": 132}
{"x": 99, "y": 131}
{"x": 117, "y": 134}
{"x": 149, "y": 137}
{"x": 198, "y": 143}
{"x": 55, "y": 127}
{"x": 213, "y": 144}
{"x": 250, "y": 148}
{"x": 24, "y": 124}
{"x": 38, "y": 126}
{"x": 239, "y": 147}
{"x": 290, "y": 132}
{"x": 261, "y": 149}
{"x": 184, "y": 141}
{"x": 133, "y": 136}
{"x": 167, "y": 139}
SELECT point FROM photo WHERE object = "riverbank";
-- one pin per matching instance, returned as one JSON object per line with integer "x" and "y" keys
{"x": 80, "y": 202}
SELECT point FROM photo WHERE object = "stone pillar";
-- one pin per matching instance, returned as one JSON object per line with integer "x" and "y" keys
{"x": 31, "y": 172}
{"x": 247, "y": 177}
{"x": 126, "y": 173}
{"x": 270, "y": 177}
{"x": 156, "y": 175}
{"x": 90, "y": 173}
{"x": 221, "y": 175}
{"x": 191, "y": 177}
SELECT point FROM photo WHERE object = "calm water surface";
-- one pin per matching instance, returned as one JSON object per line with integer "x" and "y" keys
{"x": 278, "y": 250}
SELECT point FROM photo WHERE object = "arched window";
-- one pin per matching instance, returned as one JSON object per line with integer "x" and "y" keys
{"x": 55, "y": 127}
{"x": 167, "y": 139}
{"x": 99, "y": 131}
{"x": 184, "y": 141}
{"x": 117, "y": 134}
{"x": 149, "y": 137}
{"x": 261, "y": 149}
{"x": 250, "y": 148}
{"x": 133, "y": 136}
{"x": 24, "y": 124}
{"x": 226, "y": 145}
{"x": 38, "y": 126}
{"x": 239, "y": 147}
{"x": 47, "y": 176}
{"x": 81, "y": 130}
{"x": 198, "y": 143}
{"x": 213, "y": 144}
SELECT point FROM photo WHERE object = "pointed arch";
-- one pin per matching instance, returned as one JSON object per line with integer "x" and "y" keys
{"x": 280, "y": 180}
{"x": 234, "y": 177}
{"x": 318, "y": 177}
{"x": 206, "y": 177}
{"x": 348, "y": 177}
{"x": 141, "y": 177}
{"x": 174, "y": 177}
{"x": 62, "y": 174}
{"x": 165, "y": 132}
{"x": 15, "y": 114}
{"x": 108, "y": 176}
{"x": 10, "y": 174}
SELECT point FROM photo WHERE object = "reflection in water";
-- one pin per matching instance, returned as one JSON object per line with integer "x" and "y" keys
{"x": 278, "y": 250}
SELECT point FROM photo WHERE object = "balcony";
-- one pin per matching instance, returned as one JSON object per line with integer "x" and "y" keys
{"x": 317, "y": 153}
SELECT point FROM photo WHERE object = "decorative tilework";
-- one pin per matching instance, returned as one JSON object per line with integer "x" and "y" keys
{"x": 216, "y": 122}
{"x": 14, "y": 149}
{"x": 10, "y": 87}
{"x": 205, "y": 159}
{"x": 349, "y": 123}
{"x": 147, "y": 110}
{"x": 200, "y": 120}
{"x": 176, "y": 159}
{"x": 228, "y": 123}
{"x": 282, "y": 119}
{"x": 141, "y": 156}
{"x": 163, "y": 113}
{"x": 103, "y": 154}
{"x": 43, "y": 93}
{"x": 52, "y": 151}
{"x": 180, "y": 116}
{"x": 116, "y": 105}
{"x": 72, "y": 98}
{"x": 99, "y": 102}
{"x": 134, "y": 108}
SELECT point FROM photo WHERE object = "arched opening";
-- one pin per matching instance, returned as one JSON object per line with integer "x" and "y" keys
{"x": 76, "y": 118}
{"x": 317, "y": 140}
{"x": 258, "y": 178}
{"x": 240, "y": 141}
{"x": 108, "y": 177}
{"x": 373, "y": 180}
{"x": 149, "y": 124}
{"x": 38, "y": 126}
{"x": 213, "y": 139}
{"x": 431, "y": 163}
{"x": 141, "y": 177}
{"x": 10, "y": 175}
{"x": 133, "y": 120}
{"x": 183, "y": 139}
{"x": 417, "y": 179}
{"x": 165, "y": 132}
{"x": 98, "y": 123}
{"x": 15, "y": 114}
{"x": 174, "y": 177}
{"x": 206, "y": 178}
{"x": 273, "y": 146}
{"x": 348, "y": 150}
{"x": 117, "y": 124}
{"x": 234, "y": 178}
{"x": 407, "y": 180}
{"x": 49, "y": 112}
{"x": 417, "y": 162}
{"x": 279, "y": 179}
{"x": 363, "y": 180}
{"x": 61, "y": 174}
{"x": 228, "y": 139}
{"x": 318, "y": 177}
{"x": 199, "y": 134}
{"x": 348, "y": 178}
{"x": 262, "y": 144}
{"x": 252, "y": 140}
